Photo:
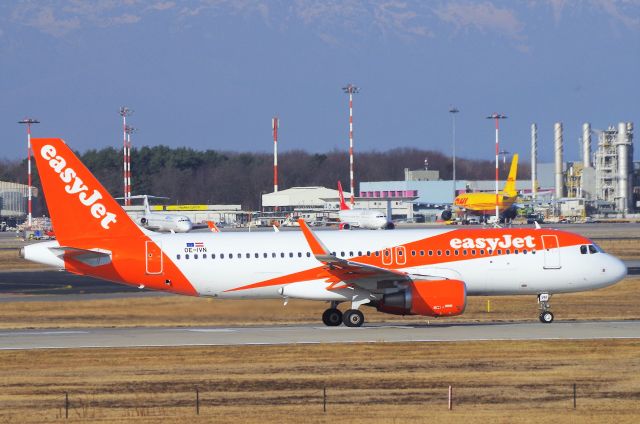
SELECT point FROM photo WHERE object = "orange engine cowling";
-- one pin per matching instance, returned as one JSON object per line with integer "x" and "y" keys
{"x": 434, "y": 298}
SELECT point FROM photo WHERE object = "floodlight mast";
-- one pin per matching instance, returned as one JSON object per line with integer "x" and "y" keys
{"x": 453, "y": 112}
{"x": 497, "y": 117}
{"x": 129, "y": 130}
{"x": 351, "y": 89}
{"x": 124, "y": 112}
{"x": 28, "y": 122}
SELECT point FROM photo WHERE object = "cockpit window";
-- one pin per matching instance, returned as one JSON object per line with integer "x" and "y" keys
{"x": 583, "y": 249}
{"x": 592, "y": 249}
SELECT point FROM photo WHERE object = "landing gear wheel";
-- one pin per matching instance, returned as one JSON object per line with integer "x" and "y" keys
{"x": 332, "y": 317}
{"x": 353, "y": 318}
{"x": 546, "y": 317}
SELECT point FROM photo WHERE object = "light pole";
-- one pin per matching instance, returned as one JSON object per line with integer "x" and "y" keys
{"x": 497, "y": 117}
{"x": 453, "y": 112}
{"x": 124, "y": 112}
{"x": 351, "y": 89}
{"x": 28, "y": 122}
{"x": 128, "y": 129}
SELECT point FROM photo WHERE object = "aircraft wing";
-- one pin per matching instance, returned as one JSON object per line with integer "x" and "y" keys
{"x": 363, "y": 275}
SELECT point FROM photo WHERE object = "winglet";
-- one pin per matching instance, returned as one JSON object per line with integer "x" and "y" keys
{"x": 317, "y": 248}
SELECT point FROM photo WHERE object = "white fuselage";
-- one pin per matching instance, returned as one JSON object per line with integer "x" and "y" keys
{"x": 165, "y": 223}
{"x": 264, "y": 264}
{"x": 364, "y": 218}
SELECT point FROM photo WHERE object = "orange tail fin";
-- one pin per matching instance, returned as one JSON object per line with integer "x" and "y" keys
{"x": 80, "y": 207}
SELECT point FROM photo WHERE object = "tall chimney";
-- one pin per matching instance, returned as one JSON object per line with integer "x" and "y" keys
{"x": 534, "y": 161}
{"x": 557, "y": 132}
{"x": 586, "y": 145}
{"x": 274, "y": 126}
{"x": 622, "y": 147}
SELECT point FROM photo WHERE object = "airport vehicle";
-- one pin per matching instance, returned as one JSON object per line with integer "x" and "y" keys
{"x": 484, "y": 204}
{"x": 164, "y": 223}
{"x": 362, "y": 218}
{"x": 408, "y": 272}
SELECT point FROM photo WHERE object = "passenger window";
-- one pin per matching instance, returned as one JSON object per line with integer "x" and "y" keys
{"x": 368, "y": 253}
{"x": 204, "y": 256}
{"x": 524, "y": 251}
{"x": 516, "y": 251}
{"x": 489, "y": 251}
{"x": 178, "y": 256}
{"x": 195, "y": 256}
{"x": 413, "y": 253}
{"x": 230, "y": 255}
{"x": 222, "y": 256}
{"x": 533, "y": 252}
{"x": 342, "y": 254}
{"x": 274, "y": 254}
{"x": 400, "y": 253}
{"x": 456, "y": 252}
{"x": 256, "y": 255}
{"x": 282, "y": 254}
{"x": 447, "y": 252}
{"x": 264, "y": 255}
{"x": 186, "y": 256}
{"x": 583, "y": 249}
{"x": 473, "y": 252}
{"x": 213, "y": 256}
{"x": 592, "y": 249}
{"x": 464, "y": 252}
{"x": 308, "y": 254}
{"x": 359, "y": 253}
{"x": 430, "y": 252}
{"x": 422, "y": 253}
{"x": 291, "y": 254}
{"x": 499, "y": 251}
{"x": 351, "y": 254}
{"x": 386, "y": 253}
{"x": 482, "y": 251}
{"x": 508, "y": 251}
{"x": 439, "y": 252}
{"x": 299, "y": 254}
{"x": 377, "y": 253}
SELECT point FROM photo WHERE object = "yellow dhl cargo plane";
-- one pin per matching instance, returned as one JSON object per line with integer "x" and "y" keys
{"x": 484, "y": 204}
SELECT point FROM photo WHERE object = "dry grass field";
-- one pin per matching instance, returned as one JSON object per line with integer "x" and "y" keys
{"x": 497, "y": 382}
{"x": 621, "y": 301}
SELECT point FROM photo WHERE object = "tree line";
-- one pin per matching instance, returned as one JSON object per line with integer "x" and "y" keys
{"x": 190, "y": 176}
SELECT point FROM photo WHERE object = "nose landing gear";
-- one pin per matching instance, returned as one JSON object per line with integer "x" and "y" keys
{"x": 546, "y": 316}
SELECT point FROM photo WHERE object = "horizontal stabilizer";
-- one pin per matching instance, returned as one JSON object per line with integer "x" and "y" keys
{"x": 89, "y": 257}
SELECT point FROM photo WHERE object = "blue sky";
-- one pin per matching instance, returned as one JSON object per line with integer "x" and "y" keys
{"x": 210, "y": 74}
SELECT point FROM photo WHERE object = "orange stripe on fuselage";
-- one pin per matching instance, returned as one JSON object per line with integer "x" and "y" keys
{"x": 441, "y": 242}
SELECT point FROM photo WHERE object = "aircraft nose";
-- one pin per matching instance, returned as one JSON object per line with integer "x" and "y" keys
{"x": 617, "y": 268}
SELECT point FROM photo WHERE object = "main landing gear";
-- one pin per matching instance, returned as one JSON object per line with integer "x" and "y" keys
{"x": 546, "y": 316}
{"x": 332, "y": 317}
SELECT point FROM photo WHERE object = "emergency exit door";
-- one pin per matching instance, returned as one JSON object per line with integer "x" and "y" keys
{"x": 153, "y": 254}
{"x": 551, "y": 252}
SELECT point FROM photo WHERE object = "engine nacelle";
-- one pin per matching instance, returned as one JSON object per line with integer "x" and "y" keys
{"x": 446, "y": 215}
{"x": 433, "y": 298}
{"x": 143, "y": 221}
{"x": 345, "y": 226}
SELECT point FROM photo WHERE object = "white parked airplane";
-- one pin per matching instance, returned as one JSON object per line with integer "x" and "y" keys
{"x": 409, "y": 272}
{"x": 160, "y": 222}
{"x": 363, "y": 218}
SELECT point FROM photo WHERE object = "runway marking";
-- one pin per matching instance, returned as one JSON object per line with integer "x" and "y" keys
{"x": 40, "y": 333}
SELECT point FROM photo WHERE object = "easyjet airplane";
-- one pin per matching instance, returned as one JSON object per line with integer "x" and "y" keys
{"x": 484, "y": 204}
{"x": 419, "y": 272}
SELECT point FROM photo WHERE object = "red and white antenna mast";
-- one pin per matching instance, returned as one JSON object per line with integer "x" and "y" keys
{"x": 129, "y": 130}
{"x": 497, "y": 117}
{"x": 126, "y": 150}
{"x": 275, "y": 124}
{"x": 28, "y": 122}
{"x": 351, "y": 89}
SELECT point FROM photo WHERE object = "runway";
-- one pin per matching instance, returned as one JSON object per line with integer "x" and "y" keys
{"x": 311, "y": 334}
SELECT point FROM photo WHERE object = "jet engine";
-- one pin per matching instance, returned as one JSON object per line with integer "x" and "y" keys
{"x": 389, "y": 226}
{"x": 345, "y": 226}
{"x": 433, "y": 298}
{"x": 143, "y": 220}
